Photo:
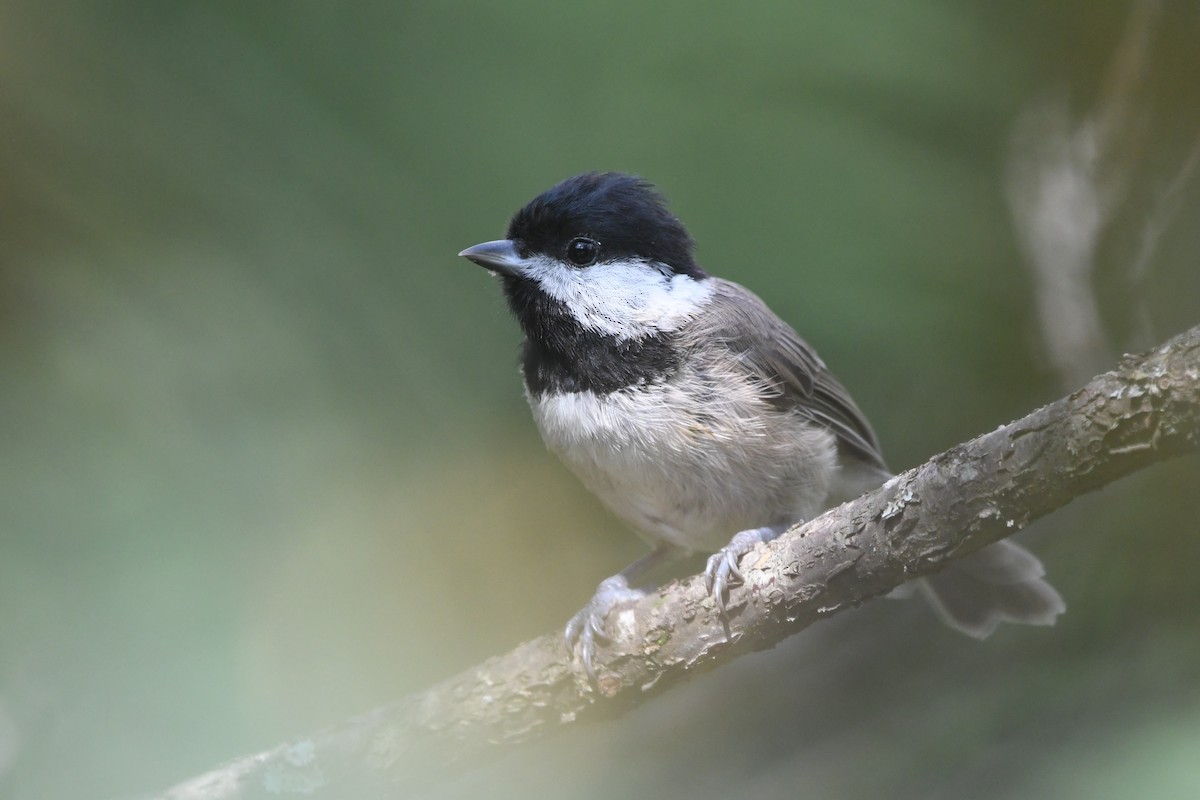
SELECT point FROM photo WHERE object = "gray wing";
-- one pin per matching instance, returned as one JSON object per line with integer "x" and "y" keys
{"x": 793, "y": 375}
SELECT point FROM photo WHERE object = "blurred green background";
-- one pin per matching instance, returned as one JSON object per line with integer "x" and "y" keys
{"x": 264, "y": 457}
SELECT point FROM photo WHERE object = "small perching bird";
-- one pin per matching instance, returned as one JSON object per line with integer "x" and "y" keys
{"x": 694, "y": 413}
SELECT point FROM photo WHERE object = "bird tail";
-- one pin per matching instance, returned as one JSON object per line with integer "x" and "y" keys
{"x": 1000, "y": 583}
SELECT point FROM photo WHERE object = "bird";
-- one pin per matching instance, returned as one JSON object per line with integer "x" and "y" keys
{"x": 697, "y": 416}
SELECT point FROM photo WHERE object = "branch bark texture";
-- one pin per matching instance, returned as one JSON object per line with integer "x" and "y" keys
{"x": 1144, "y": 411}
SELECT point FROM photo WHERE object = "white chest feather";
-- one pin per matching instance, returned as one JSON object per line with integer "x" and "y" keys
{"x": 690, "y": 470}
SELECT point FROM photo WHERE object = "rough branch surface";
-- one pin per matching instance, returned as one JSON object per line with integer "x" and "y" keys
{"x": 1146, "y": 410}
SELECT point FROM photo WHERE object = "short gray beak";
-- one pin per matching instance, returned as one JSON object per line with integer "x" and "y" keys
{"x": 499, "y": 256}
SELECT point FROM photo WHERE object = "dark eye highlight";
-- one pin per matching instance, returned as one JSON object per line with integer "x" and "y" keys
{"x": 582, "y": 251}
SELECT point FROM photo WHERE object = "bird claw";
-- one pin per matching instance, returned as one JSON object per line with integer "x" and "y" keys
{"x": 722, "y": 571}
{"x": 586, "y": 628}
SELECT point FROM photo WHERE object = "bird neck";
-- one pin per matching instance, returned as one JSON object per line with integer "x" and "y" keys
{"x": 560, "y": 355}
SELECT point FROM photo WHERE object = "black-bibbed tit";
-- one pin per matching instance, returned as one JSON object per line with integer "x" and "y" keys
{"x": 697, "y": 416}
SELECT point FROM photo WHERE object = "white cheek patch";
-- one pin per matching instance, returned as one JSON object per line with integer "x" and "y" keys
{"x": 626, "y": 299}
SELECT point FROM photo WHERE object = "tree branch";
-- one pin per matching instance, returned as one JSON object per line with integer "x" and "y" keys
{"x": 1145, "y": 411}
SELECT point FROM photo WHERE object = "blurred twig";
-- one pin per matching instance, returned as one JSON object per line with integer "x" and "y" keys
{"x": 1066, "y": 180}
{"x": 1145, "y": 411}
{"x": 1163, "y": 213}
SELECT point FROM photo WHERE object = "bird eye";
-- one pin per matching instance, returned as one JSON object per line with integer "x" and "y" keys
{"x": 582, "y": 251}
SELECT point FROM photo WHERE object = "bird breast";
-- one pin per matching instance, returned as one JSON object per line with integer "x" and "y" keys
{"x": 686, "y": 465}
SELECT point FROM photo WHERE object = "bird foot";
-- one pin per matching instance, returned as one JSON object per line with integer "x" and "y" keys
{"x": 722, "y": 570}
{"x": 586, "y": 628}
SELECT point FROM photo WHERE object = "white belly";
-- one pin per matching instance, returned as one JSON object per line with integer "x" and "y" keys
{"x": 688, "y": 472}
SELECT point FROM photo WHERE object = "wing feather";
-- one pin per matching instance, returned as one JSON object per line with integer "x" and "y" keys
{"x": 791, "y": 372}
